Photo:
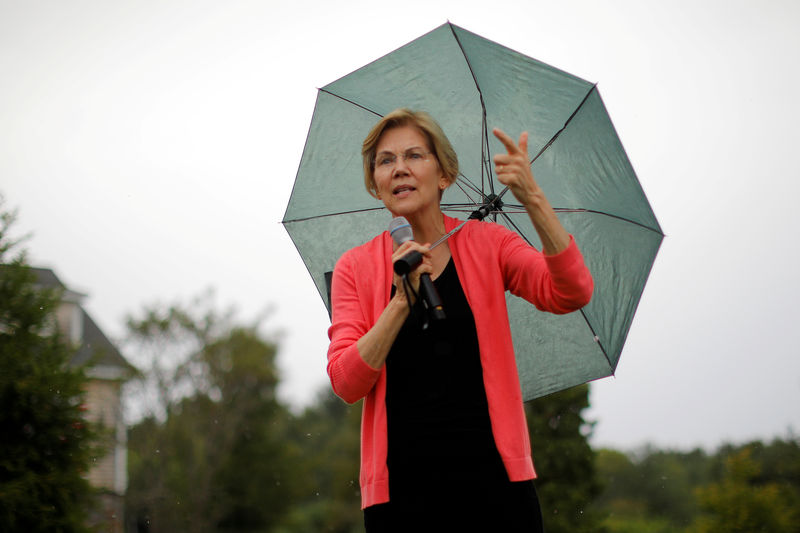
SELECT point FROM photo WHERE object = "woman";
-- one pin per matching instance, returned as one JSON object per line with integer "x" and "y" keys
{"x": 444, "y": 440}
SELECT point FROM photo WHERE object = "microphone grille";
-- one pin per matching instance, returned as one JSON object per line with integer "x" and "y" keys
{"x": 400, "y": 230}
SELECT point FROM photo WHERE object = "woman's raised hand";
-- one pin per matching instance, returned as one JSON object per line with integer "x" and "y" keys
{"x": 514, "y": 171}
{"x": 514, "y": 168}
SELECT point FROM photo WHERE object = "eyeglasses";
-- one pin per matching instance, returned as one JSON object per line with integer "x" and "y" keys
{"x": 414, "y": 157}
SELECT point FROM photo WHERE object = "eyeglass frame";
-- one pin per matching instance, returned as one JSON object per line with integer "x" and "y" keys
{"x": 405, "y": 155}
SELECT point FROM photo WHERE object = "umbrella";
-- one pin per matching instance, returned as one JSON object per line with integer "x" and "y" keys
{"x": 469, "y": 85}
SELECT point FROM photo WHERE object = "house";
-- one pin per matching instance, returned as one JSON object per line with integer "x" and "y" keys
{"x": 106, "y": 370}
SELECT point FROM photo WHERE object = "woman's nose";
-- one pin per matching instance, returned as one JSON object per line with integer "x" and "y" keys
{"x": 400, "y": 165}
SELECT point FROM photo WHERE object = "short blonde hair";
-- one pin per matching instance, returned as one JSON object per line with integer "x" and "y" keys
{"x": 438, "y": 143}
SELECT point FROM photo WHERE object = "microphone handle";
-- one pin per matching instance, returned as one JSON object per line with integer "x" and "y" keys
{"x": 407, "y": 263}
{"x": 431, "y": 296}
{"x": 428, "y": 291}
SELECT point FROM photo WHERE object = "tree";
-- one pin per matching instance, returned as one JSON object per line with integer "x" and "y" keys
{"x": 666, "y": 481}
{"x": 739, "y": 503}
{"x": 621, "y": 484}
{"x": 779, "y": 460}
{"x": 653, "y": 492}
{"x": 568, "y": 482}
{"x": 214, "y": 453}
{"x": 46, "y": 445}
{"x": 327, "y": 434}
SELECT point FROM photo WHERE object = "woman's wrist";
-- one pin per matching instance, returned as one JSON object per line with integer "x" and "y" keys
{"x": 399, "y": 304}
{"x": 553, "y": 236}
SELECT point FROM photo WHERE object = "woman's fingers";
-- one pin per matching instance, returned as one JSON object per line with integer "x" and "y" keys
{"x": 507, "y": 141}
{"x": 518, "y": 148}
{"x": 516, "y": 160}
{"x": 425, "y": 266}
{"x": 408, "y": 247}
{"x": 514, "y": 168}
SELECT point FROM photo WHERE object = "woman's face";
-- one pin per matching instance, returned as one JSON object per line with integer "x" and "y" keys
{"x": 408, "y": 177}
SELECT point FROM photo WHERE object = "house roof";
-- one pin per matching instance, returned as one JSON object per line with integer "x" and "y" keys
{"x": 95, "y": 348}
{"x": 95, "y": 344}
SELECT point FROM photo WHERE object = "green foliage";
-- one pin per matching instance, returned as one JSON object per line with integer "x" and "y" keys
{"x": 45, "y": 447}
{"x": 655, "y": 490}
{"x": 225, "y": 455}
{"x": 216, "y": 457}
{"x": 744, "y": 501}
{"x": 219, "y": 452}
{"x": 638, "y": 524}
{"x": 752, "y": 487}
{"x": 621, "y": 496}
{"x": 329, "y": 436}
{"x": 666, "y": 480}
{"x": 567, "y": 483}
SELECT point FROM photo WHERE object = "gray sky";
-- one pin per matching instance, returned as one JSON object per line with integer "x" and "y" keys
{"x": 151, "y": 148}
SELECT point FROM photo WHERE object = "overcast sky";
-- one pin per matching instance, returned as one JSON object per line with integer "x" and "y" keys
{"x": 151, "y": 149}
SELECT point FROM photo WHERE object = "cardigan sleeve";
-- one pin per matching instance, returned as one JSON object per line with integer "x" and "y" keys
{"x": 558, "y": 283}
{"x": 351, "y": 377}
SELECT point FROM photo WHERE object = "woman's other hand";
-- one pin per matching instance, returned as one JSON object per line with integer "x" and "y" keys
{"x": 413, "y": 277}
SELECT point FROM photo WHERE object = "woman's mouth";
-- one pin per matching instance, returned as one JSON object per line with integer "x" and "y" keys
{"x": 401, "y": 191}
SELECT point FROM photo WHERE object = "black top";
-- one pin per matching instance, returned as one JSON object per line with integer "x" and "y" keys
{"x": 437, "y": 414}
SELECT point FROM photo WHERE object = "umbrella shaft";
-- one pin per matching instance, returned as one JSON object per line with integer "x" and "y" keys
{"x": 447, "y": 236}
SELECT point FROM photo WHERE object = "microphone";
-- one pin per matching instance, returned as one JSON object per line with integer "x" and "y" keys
{"x": 401, "y": 231}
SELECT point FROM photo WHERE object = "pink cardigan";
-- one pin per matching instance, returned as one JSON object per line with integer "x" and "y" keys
{"x": 490, "y": 259}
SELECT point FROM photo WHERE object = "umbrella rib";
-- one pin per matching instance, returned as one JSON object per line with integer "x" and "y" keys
{"x": 466, "y": 193}
{"x": 567, "y": 210}
{"x": 552, "y": 140}
{"x": 486, "y": 168}
{"x": 484, "y": 129}
{"x": 460, "y": 208}
{"x": 350, "y": 102}
{"x": 333, "y": 214}
{"x": 597, "y": 340}
{"x": 511, "y": 223}
{"x": 468, "y": 184}
{"x": 519, "y": 209}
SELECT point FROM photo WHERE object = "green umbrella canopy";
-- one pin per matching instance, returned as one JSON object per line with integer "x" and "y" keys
{"x": 470, "y": 85}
